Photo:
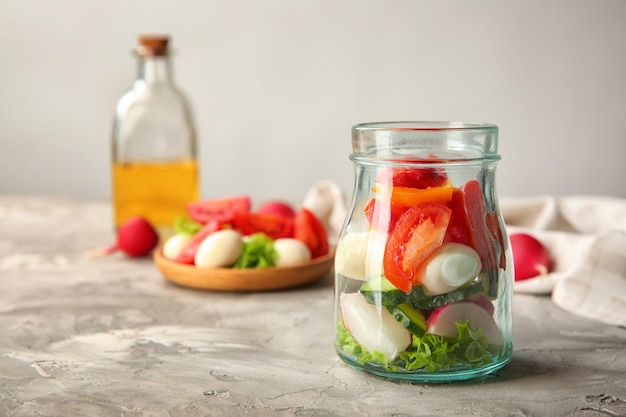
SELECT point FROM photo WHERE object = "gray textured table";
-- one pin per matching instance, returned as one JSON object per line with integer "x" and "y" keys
{"x": 109, "y": 336}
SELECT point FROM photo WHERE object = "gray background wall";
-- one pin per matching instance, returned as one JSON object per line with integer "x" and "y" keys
{"x": 277, "y": 84}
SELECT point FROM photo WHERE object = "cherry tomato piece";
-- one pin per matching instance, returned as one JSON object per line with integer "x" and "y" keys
{"x": 309, "y": 230}
{"x": 274, "y": 226}
{"x": 220, "y": 209}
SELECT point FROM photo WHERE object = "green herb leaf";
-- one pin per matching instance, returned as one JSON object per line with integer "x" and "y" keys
{"x": 430, "y": 352}
{"x": 185, "y": 225}
{"x": 258, "y": 252}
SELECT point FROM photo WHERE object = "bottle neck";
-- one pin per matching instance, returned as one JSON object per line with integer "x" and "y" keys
{"x": 155, "y": 69}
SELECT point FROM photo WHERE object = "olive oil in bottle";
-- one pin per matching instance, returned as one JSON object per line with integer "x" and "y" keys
{"x": 154, "y": 155}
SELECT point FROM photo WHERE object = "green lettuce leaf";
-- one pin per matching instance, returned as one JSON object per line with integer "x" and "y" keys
{"x": 185, "y": 225}
{"x": 346, "y": 342}
{"x": 258, "y": 252}
{"x": 430, "y": 352}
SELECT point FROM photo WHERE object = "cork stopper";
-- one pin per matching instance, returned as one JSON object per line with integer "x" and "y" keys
{"x": 153, "y": 45}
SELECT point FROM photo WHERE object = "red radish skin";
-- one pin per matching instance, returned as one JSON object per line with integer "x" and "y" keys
{"x": 279, "y": 208}
{"x": 136, "y": 238}
{"x": 443, "y": 321}
{"x": 482, "y": 301}
{"x": 530, "y": 257}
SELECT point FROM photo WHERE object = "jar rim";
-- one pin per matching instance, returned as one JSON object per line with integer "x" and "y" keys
{"x": 424, "y": 126}
{"x": 425, "y": 163}
{"x": 424, "y": 140}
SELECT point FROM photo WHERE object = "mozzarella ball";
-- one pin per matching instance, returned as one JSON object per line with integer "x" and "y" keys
{"x": 359, "y": 255}
{"x": 175, "y": 245}
{"x": 291, "y": 252}
{"x": 219, "y": 249}
{"x": 450, "y": 267}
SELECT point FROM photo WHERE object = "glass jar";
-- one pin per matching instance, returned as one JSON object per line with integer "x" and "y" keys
{"x": 423, "y": 271}
{"x": 154, "y": 153}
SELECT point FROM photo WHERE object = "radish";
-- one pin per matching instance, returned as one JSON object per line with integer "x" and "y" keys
{"x": 136, "y": 238}
{"x": 279, "y": 208}
{"x": 373, "y": 327}
{"x": 482, "y": 301}
{"x": 530, "y": 257}
{"x": 443, "y": 321}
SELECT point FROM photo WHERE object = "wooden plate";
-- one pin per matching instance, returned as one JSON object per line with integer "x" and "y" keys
{"x": 230, "y": 279}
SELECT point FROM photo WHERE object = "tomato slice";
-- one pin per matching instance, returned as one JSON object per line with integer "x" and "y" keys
{"x": 415, "y": 236}
{"x": 220, "y": 209}
{"x": 272, "y": 225}
{"x": 188, "y": 253}
{"x": 382, "y": 214}
{"x": 309, "y": 230}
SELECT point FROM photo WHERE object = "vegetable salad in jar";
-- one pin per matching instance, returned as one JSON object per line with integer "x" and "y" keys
{"x": 423, "y": 289}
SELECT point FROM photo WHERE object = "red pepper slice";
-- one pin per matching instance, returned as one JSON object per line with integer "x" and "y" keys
{"x": 407, "y": 196}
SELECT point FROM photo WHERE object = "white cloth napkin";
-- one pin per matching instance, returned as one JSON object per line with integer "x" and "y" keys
{"x": 328, "y": 202}
{"x": 585, "y": 235}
